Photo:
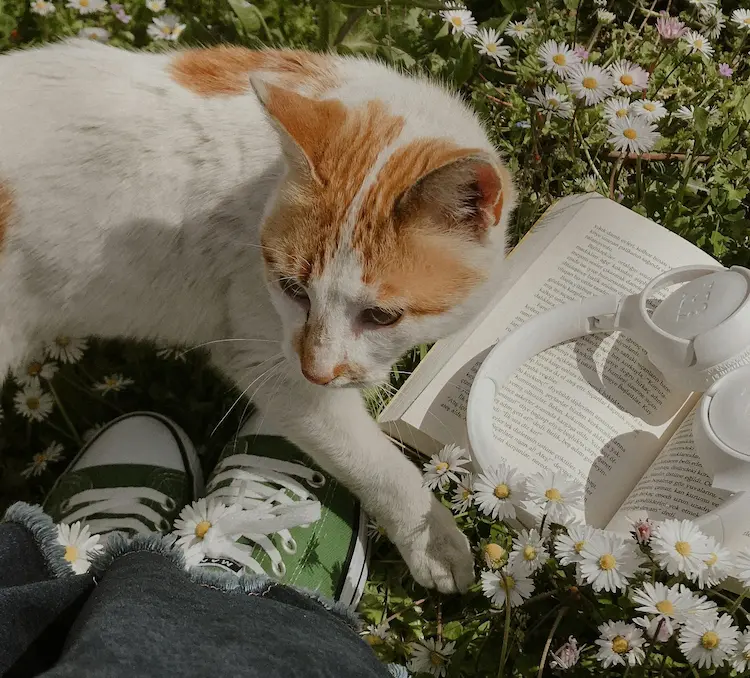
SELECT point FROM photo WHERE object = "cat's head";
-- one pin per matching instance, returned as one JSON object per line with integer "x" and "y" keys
{"x": 386, "y": 227}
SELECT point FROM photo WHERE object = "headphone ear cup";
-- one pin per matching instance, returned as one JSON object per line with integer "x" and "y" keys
{"x": 700, "y": 380}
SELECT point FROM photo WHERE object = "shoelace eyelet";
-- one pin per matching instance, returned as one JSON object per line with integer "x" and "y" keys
{"x": 279, "y": 569}
{"x": 290, "y": 546}
{"x": 316, "y": 480}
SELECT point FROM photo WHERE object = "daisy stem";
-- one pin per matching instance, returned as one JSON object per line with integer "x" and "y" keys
{"x": 585, "y": 147}
{"x": 669, "y": 75}
{"x": 639, "y": 177}
{"x": 506, "y": 631}
{"x": 575, "y": 29}
{"x": 64, "y": 414}
{"x": 550, "y": 636}
{"x": 738, "y": 602}
{"x": 62, "y": 431}
{"x": 614, "y": 175}
{"x": 594, "y": 36}
{"x": 573, "y": 127}
{"x": 733, "y": 59}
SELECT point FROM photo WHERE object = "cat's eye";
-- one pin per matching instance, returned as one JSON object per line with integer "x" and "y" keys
{"x": 294, "y": 290}
{"x": 380, "y": 316}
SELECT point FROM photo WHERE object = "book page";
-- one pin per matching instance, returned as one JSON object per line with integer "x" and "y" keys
{"x": 594, "y": 407}
{"x": 676, "y": 486}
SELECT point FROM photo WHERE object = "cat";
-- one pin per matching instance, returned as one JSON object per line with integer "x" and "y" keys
{"x": 311, "y": 216}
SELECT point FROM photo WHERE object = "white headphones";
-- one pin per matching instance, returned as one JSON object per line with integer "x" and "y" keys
{"x": 699, "y": 337}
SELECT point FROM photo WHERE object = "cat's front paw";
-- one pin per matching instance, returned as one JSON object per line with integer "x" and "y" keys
{"x": 437, "y": 553}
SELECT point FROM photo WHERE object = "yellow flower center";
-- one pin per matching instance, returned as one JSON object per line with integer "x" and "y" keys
{"x": 553, "y": 103}
{"x": 71, "y": 553}
{"x": 510, "y": 583}
{"x": 39, "y": 459}
{"x": 495, "y": 553}
{"x": 699, "y": 44}
{"x": 32, "y": 403}
{"x": 436, "y": 659}
{"x": 710, "y": 640}
{"x": 649, "y": 107}
{"x": 372, "y": 639}
{"x": 111, "y": 381}
{"x": 747, "y": 21}
{"x": 491, "y": 47}
{"x": 553, "y": 494}
{"x": 502, "y": 491}
{"x": 626, "y": 80}
{"x": 166, "y": 30}
{"x": 712, "y": 560}
{"x": 560, "y": 59}
{"x": 442, "y": 466}
{"x": 84, "y": 3}
{"x": 34, "y": 369}
{"x": 630, "y": 133}
{"x": 621, "y": 112}
{"x": 457, "y": 21}
{"x": 665, "y": 607}
{"x": 578, "y": 546}
{"x": 589, "y": 83}
{"x": 529, "y": 552}
{"x": 620, "y": 645}
{"x": 201, "y": 528}
{"x": 607, "y": 562}
{"x": 63, "y": 341}
{"x": 466, "y": 494}
{"x": 683, "y": 548}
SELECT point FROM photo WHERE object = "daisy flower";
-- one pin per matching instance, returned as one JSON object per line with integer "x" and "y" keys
{"x": 41, "y": 7}
{"x": 713, "y": 21}
{"x": 679, "y": 546}
{"x": 703, "y": 3}
{"x": 498, "y": 491}
{"x": 650, "y": 110}
{"x": 725, "y": 70}
{"x": 742, "y": 566}
{"x": 375, "y": 531}
{"x": 463, "y": 495}
{"x": 66, "y": 349}
{"x": 197, "y": 519}
{"x": 556, "y": 495}
{"x": 568, "y": 547}
{"x": 656, "y": 628}
{"x": 642, "y": 529}
{"x": 79, "y": 545}
{"x": 445, "y": 467}
{"x": 120, "y": 13}
{"x": 528, "y": 553}
{"x": 495, "y": 556}
{"x": 431, "y": 656}
{"x": 709, "y": 641}
{"x": 87, "y": 6}
{"x": 632, "y": 134}
{"x": 90, "y": 433}
{"x": 605, "y": 16}
{"x": 32, "y": 371}
{"x": 667, "y": 603}
{"x": 698, "y": 606}
{"x": 698, "y": 44}
{"x": 376, "y": 635}
{"x": 40, "y": 461}
{"x": 590, "y": 83}
{"x": 506, "y": 585}
{"x": 113, "y": 383}
{"x": 581, "y": 52}
{"x": 742, "y": 18}
{"x": 617, "y": 107}
{"x": 628, "y": 77}
{"x": 489, "y": 43}
{"x": 520, "y": 30}
{"x": 566, "y": 656}
{"x": 156, "y": 5}
{"x": 620, "y": 644}
{"x": 549, "y": 99}
{"x": 670, "y": 27}
{"x": 33, "y": 403}
{"x": 740, "y": 661}
{"x": 719, "y": 565}
{"x": 557, "y": 57}
{"x": 94, "y": 33}
{"x": 685, "y": 112}
{"x": 608, "y": 562}
{"x": 460, "y": 21}
{"x": 166, "y": 28}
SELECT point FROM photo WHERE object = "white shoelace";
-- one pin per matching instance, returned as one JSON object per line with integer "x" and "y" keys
{"x": 122, "y": 509}
{"x": 270, "y": 500}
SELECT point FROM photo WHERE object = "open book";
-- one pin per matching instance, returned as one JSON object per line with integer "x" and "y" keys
{"x": 594, "y": 407}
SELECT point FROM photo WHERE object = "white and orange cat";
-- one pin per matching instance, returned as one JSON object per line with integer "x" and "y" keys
{"x": 325, "y": 213}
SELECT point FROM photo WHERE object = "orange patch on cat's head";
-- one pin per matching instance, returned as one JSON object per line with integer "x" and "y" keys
{"x": 226, "y": 70}
{"x": 6, "y": 211}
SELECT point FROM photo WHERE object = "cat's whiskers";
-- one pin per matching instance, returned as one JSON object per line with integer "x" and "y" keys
{"x": 219, "y": 341}
{"x": 278, "y": 356}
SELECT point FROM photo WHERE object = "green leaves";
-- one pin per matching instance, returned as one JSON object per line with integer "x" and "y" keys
{"x": 465, "y": 65}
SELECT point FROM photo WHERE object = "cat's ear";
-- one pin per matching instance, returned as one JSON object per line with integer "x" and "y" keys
{"x": 304, "y": 124}
{"x": 470, "y": 193}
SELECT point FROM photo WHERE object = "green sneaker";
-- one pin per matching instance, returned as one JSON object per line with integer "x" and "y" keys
{"x": 269, "y": 510}
{"x": 133, "y": 477}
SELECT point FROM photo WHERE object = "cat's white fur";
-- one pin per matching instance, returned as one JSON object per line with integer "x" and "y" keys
{"x": 137, "y": 212}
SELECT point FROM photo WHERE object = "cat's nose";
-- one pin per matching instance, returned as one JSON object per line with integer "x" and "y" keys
{"x": 315, "y": 378}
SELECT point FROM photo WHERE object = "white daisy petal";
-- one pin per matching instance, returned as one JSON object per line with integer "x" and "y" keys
{"x": 558, "y": 57}
{"x": 41, "y": 7}
{"x": 460, "y": 21}
{"x": 489, "y": 43}
{"x": 590, "y": 82}
{"x": 679, "y": 546}
{"x": 87, "y": 6}
{"x": 709, "y": 641}
{"x": 431, "y": 656}
{"x": 66, "y": 349}
{"x": 79, "y": 545}
{"x": 698, "y": 44}
{"x": 113, "y": 384}
{"x": 568, "y": 547}
{"x": 498, "y": 491}
{"x": 506, "y": 585}
{"x": 620, "y": 644}
{"x": 33, "y": 403}
{"x": 632, "y": 134}
{"x": 463, "y": 495}
{"x": 719, "y": 565}
{"x": 528, "y": 553}
{"x": 742, "y": 18}
{"x": 549, "y": 99}
{"x": 617, "y": 107}
{"x": 628, "y": 77}
{"x": 94, "y": 33}
{"x": 167, "y": 27}
{"x": 520, "y": 30}
{"x": 742, "y": 566}
{"x": 445, "y": 467}
{"x": 650, "y": 110}
{"x": 608, "y": 562}
{"x": 556, "y": 495}
{"x": 740, "y": 661}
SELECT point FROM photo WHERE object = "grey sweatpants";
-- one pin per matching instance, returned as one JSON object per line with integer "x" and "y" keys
{"x": 138, "y": 613}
